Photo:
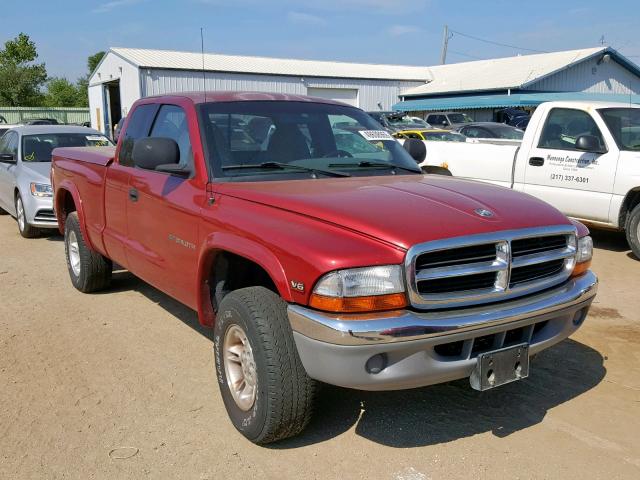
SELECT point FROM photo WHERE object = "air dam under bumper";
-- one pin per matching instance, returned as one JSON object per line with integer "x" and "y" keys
{"x": 407, "y": 349}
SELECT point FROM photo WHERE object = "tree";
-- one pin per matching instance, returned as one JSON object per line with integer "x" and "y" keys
{"x": 93, "y": 61}
{"x": 62, "y": 93}
{"x": 21, "y": 79}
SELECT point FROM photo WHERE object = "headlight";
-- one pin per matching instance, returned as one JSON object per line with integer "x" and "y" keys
{"x": 360, "y": 290}
{"x": 41, "y": 190}
{"x": 584, "y": 253}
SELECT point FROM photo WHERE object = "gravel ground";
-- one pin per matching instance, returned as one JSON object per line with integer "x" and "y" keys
{"x": 121, "y": 385}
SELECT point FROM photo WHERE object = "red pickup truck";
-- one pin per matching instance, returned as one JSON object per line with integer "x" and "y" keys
{"x": 311, "y": 242}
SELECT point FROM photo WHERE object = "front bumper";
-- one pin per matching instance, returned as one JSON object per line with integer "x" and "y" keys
{"x": 39, "y": 211}
{"x": 410, "y": 349}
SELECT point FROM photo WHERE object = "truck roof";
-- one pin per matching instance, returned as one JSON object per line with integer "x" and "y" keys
{"x": 217, "y": 96}
{"x": 585, "y": 104}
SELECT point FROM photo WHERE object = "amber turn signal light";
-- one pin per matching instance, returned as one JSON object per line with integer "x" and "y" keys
{"x": 581, "y": 268}
{"x": 375, "y": 303}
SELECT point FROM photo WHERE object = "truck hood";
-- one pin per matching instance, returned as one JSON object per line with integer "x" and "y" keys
{"x": 403, "y": 210}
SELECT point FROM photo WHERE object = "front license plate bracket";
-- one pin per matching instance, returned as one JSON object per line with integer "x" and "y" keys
{"x": 500, "y": 367}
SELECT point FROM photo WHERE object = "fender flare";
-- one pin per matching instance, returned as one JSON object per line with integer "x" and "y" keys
{"x": 67, "y": 187}
{"x": 243, "y": 247}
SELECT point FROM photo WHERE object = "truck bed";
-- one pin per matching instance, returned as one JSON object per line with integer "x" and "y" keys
{"x": 479, "y": 161}
{"x": 96, "y": 155}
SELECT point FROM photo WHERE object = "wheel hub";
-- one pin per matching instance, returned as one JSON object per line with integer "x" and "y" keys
{"x": 240, "y": 367}
{"x": 74, "y": 253}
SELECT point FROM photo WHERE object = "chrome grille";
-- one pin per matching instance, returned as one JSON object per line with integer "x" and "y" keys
{"x": 489, "y": 267}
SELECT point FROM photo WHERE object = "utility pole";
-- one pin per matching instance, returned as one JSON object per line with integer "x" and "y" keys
{"x": 445, "y": 44}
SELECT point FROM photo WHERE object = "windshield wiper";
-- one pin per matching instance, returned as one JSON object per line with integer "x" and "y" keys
{"x": 284, "y": 166}
{"x": 366, "y": 163}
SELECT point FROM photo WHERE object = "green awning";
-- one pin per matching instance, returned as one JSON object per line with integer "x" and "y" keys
{"x": 469, "y": 102}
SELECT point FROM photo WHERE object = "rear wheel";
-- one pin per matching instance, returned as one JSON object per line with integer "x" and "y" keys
{"x": 633, "y": 231}
{"x": 89, "y": 271}
{"x": 24, "y": 227}
{"x": 266, "y": 391}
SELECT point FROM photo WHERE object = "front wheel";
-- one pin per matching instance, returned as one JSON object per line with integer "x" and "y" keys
{"x": 266, "y": 391}
{"x": 24, "y": 227}
{"x": 633, "y": 231}
{"x": 89, "y": 271}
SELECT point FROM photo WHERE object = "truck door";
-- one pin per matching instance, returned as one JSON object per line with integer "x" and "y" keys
{"x": 116, "y": 191}
{"x": 578, "y": 183}
{"x": 163, "y": 213}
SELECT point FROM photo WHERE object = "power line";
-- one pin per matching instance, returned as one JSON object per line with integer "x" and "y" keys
{"x": 466, "y": 55}
{"x": 496, "y": 43}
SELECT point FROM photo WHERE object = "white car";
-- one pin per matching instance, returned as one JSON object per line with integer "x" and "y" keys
{"x": 25, "y": 166}
{"x": 581, "y": 157}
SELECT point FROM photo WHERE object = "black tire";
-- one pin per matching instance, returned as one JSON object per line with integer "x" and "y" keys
{"x": 24, "y": 227}
{"x": 284, "y": 392}
{"x": 94, "y": 270}
{"x": 633, "y": 231}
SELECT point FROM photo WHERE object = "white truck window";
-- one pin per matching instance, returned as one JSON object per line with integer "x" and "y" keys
{"x": 564, "y": 125}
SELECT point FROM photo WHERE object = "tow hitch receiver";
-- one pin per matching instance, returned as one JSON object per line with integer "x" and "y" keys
{"x": 500, "y": 366}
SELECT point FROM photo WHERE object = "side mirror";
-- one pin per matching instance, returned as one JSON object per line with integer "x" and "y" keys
{"x": 7, "y": 158}
{"x": 589, "y": 143}
{"x": 416, "y": 148}
{"x": 160, "y": 154}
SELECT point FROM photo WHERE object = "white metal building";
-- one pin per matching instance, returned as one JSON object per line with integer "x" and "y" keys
{"x": 525, "y": 81}
{"x": 127, "y": 74}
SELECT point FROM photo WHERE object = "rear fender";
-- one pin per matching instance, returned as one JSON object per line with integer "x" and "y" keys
{"x": 226, "y": 242}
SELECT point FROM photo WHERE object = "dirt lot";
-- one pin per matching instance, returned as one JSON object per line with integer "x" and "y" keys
{"x": 121, "y": 385}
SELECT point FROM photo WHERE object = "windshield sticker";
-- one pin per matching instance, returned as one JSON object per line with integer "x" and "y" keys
{"x": 375, "y": 135}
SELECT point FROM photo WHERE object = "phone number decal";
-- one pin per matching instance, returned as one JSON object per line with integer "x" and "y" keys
{"x": 559, "y": 177}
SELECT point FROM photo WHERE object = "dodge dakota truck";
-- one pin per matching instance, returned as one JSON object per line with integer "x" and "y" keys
{"x": 581, "y": 157}
{"x": 315, "y": 262}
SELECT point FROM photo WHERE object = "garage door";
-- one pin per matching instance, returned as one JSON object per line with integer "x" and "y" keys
{"x": 345, "y": 95}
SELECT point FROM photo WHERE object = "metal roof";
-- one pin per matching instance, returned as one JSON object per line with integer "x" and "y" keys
{"x": 469, "y": 102}
{"x": 169, "y": 59}
{"x": 506, "y": 73}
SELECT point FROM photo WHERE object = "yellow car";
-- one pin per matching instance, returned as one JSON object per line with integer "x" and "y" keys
{"x": 432, "y": 134}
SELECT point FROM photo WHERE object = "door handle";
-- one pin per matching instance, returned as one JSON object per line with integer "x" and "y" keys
{"x": 133, "y": 194}
{"x": 536, "y": 161}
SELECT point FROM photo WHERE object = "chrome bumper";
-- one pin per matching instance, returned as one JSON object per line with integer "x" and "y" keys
{"x": 337, "y": 349}
{"x": 404, "y": 325}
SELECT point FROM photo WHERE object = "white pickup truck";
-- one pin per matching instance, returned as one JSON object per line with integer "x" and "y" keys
{"x": 581, "y": 157}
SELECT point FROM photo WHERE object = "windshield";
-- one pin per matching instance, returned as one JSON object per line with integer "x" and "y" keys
{"x": 444, "y": 137}
{"x": 507, "y": 132}
{"x": 37, "y": 148}
{"x": 624, "y": 125}
{"x": 275, "y": 140}
{"x": 407, "y": 122}
{"x": 459, "y": 118}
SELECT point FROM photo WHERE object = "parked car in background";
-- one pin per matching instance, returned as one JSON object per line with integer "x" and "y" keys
{"x": 316, "y": 259}
{"x": 42, "y": 121}
{"x": 581, "y": 157}
{"x": 396, "y": 121}
{"x": 447, "y": 120}
{"x": 432, "y": 134}
{"x": 512, "y": 116}
{"x": 25, "y": 164}
{"x": 490, "y": 131}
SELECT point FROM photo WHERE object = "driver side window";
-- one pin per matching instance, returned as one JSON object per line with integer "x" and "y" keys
{"x": 171, "y": 122}
{"x": 563, "y": 127}
{"x": 9, "y": 144}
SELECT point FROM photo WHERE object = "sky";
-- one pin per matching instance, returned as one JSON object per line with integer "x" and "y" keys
{"x": 407, "y": 32}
